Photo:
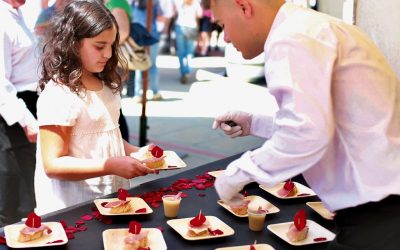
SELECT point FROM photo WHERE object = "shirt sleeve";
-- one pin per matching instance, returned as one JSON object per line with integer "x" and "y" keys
{"x": 12, "y": 108}
{"x": 57, "y": 106}
{"x": 299, "y": 71}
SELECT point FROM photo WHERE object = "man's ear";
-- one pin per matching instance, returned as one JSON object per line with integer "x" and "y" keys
{"x": 245, "y": 6}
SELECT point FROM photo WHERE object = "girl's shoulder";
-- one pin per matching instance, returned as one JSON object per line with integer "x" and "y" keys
{"x": 57, "y": 91}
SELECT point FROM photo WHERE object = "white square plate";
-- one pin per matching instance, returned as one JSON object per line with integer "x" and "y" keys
{"x": 136, "y": 204}
{"x": 247, "y": 247}
{"x": 171, "y": 161}
{"x": 270, "y": 207}
{"x": 315, "y": 231}
{"x": 216, "y": 173}
{"x": 113, "y": 239}
{"x": 302, "y": 191}
{"x": 319, "y": 207}
{"x": 181, "y": 226}
{"x": 57, "y": 234}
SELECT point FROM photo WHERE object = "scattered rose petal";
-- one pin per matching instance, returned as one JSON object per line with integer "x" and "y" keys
{"x": 200, "y": 187}
{"x": 81, "y": 228}
{"x": 155, "y": 204}
{"x": 2, "y": 240}
{"x": 70, "y": 236}
{"x": 201, "y": 195}
{"x": 141, "y": 210}
{"x": 54, "y": 242}
{"x": 198, "y": 220}
{"x": 86, "y": 217}
{"x": 103, "y": 204}
{"x": 79, "y": 222}
{"x": 184, "y": 195}
{"x": 215, "y": 232}
{"x": 63, "y": 223}
{"x": 318, "y": 239}
{"x": 161, "y": 229}
{"x": 70, "y": 230}
{"x": 107, "y": 221}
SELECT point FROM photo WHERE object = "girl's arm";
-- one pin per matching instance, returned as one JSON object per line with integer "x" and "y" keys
{"x": 129, "y": 148}
{"x": 54, "y": 141}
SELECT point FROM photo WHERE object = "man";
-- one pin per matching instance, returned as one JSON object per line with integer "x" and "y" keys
{"x": 338, "y": 121}
{"x": 18, "y": 126}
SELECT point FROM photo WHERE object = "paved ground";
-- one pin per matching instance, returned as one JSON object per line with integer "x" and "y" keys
{"x": 182, "y": 120}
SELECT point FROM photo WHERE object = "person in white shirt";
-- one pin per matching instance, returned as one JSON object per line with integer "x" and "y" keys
{"x": 338, "y": 121}
{"x": 18, "y": 125}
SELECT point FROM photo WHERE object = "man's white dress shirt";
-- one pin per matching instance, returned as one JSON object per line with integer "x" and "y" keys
{"x": 338, "y": 121}
{"x": 18, "y": 65}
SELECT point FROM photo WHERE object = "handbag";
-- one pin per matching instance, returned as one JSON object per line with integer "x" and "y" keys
{"x": 141, "y": 36}
{"x": 190, "y": 32}
{"x": 137, "y": 56}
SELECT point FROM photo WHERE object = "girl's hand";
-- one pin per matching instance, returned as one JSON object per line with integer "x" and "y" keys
{"x": 127, "y": 167}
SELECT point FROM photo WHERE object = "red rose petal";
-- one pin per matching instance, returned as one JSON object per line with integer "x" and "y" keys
{"x": 157, "y": 152}
{"x": 3, "y": 240}
{"x": 70, "y": 236}
{"x": 63, "y": 223}
{"x": 86, "y": 217}
{"x": 200, "y": 186}
{"x": 215, "y": 232}
{"x": 82, "y": 228}
{"x": 245, "y": 194}
{"x": 252, "y": 247}
{"x": 155, "y": 204}
{"x": 201, "y": 195}
{"x": 107, "y": 221}
{"x": 289, "y": 185}
{"x": 184, "y": 195}
{"x": 141, "y": 210}
{"x": 318, "y": 239}
{"x": 79, "y": 222}
{"x": 144, "y": 248}
{"x": 303, "y": 194}
{"x": 70, "y": 230}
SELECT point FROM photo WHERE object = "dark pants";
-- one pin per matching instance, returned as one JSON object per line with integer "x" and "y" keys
{"x": 374, "y": 225}
{"x": 17, "y": 168}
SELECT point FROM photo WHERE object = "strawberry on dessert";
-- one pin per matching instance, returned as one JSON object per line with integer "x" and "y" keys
{"x": 198, "y": 225}
{"x": 298, "y": 230}
{"x": 288, "y": 189}
{"x": 34, "y": 229}
{"x": 121, "y": 205}
{"x": 154, "y": 156}
{"x": 136, "y": 239}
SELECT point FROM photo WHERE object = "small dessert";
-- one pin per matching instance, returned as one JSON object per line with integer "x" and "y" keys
{"x": 121, "y": 205}
{"x": 136, "y": 239}
{"x": 154, "y": 156}
{"x": 298, "y": 230}
{"x": 34, "y": 229}
{"x": 198, "y": 226}
{"x": 288, "y": 190}
{"x": 240, "y": 208}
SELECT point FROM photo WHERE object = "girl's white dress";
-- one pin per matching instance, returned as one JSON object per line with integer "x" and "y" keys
{"x": 95, "y": 134}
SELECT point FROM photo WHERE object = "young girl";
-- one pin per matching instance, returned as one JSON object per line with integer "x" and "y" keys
{"x": 81, "y": 154}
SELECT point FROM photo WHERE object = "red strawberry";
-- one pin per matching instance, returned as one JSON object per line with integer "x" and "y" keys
{"x": 198, "y": 220}
{"x": 156, "y": 151}
{"x": 122, "y": 194}
{"x": 33, "y": 220}
{"x": 135, "y": 227}
{"x": 289, "y": 185}
{"x": 300, "y": 219}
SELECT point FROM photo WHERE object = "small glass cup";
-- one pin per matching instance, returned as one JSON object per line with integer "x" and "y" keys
{"x": 171, "y": 205}
{"x": 256, "y": 219}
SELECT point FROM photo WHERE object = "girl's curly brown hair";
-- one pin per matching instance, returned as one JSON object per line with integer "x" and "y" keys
{"x": 61, "y": 61}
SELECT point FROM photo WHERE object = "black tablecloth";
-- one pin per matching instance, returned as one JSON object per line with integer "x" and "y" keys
{"x": 190, "y": 206}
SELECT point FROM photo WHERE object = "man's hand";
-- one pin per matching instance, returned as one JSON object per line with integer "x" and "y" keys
{"x": 234, "y": 123}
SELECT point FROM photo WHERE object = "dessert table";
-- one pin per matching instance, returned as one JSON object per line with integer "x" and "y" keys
{"x": 197, "y": 199}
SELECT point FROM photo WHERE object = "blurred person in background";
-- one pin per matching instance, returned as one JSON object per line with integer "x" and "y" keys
{"x": 205, "y": 28}
{"x": 187, "y": 13}
{"x": 139, "y": 10}
{"x": 18, "y": 125}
